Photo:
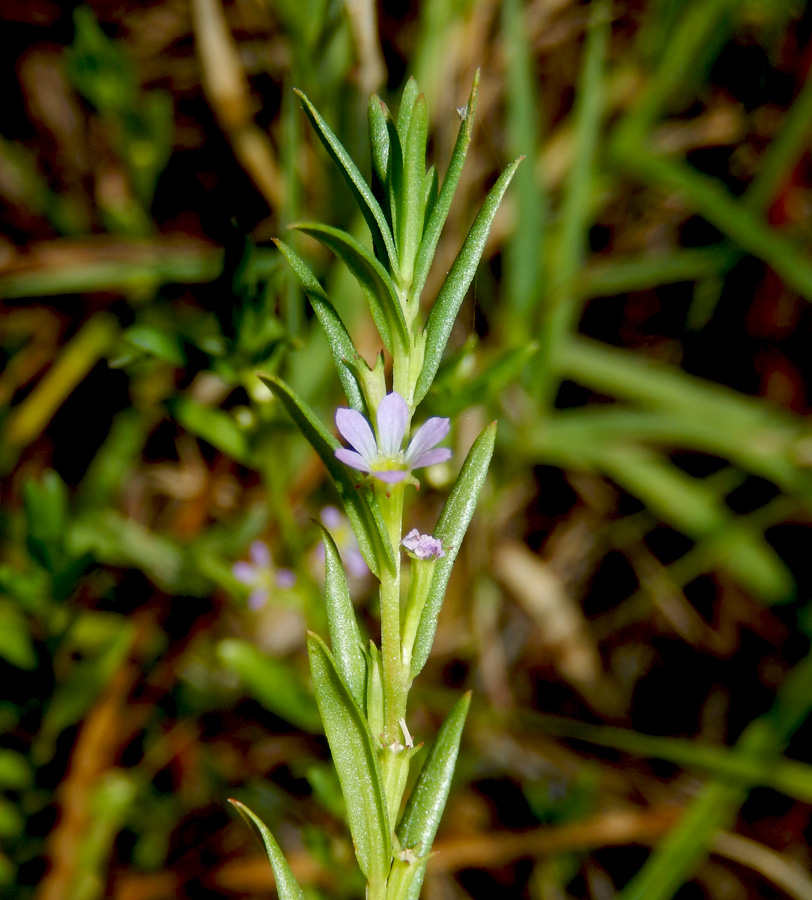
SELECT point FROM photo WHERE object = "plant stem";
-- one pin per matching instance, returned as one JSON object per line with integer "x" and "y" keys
{"x": 390, "y": 502}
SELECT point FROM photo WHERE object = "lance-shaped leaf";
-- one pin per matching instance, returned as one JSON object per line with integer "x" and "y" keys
{"x": 361, "y": 509}
{"x": 370, "y": 208}
{"x": 407, "y": 102}
{"x": 345, "y": 638}
{"x": 413, "y": 194}
{"x": 286, "y": 885}
{"x": 431, "y": 189}
{"x": 355, "y": 754}
{"x": 451, "y": 528}
{"x": 439, "y": 212}
{"x": 341, "y": 345}
{"x": 394, "y": 177}
{"x": 378, "y": 116}
{"x": 375, "y": 282}
{"x": 446, "y": 306}
{"x": 418, "y": 826}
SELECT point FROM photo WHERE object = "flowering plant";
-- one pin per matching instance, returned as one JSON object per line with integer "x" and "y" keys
{"x": 361, "y": 690}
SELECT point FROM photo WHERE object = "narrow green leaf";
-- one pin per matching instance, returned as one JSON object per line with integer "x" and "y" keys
{"x": 355, "y": 754}
{"x": 361, "y": 510}
{"x": 410, "y": 224}
{"x": 431, "y": 190}
{"x": 420, "y": 820}
{"x": 341, "y": 345}
{"x": 407, "y": 102}
{"x": 451, "y": 528}
{"x": 345, "y": 638}
{"x": 272, "y": 682}
{"x": 377, "y": 115}
{"x": 373, "y": 278}
{"x": 439, "y": 211}
{"x": 444, "y": 312}
{"x": 286, "y": 885}
{"x": 394, "y": 177}
{"x": 370, "y": 208}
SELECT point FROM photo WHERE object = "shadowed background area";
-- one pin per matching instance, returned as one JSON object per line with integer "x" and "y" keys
{"x": 631, "y": 603}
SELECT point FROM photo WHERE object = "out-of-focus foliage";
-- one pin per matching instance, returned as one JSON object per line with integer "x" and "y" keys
{"x": 630, "y": 606}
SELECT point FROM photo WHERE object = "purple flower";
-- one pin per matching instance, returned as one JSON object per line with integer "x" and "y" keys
{"x": 422, "y": 546}
{"x": 384, "y": 458}
{"x": 261, "y": 576}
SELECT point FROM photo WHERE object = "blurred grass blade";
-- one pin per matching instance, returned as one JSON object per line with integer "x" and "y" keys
{"x": 451, "y": 528}
{"x": 355, "y": 754}
{"x": 373, "y": 278}
{"x": 677, "y": 857}
{"x": 645, "y": 271}
{"x": 786, "y": 775}
{"x": 783, "y": 153}
{"x": 576, "y": 207}
{"x": 709, "y": 197}
{"x": 365, "y": 519}
{"x": 688, "y": 50}
{"x": 418, "y": 826}
{"x": 286, "y": 885}
{"x": 445, "y": 308}
{"x": 274, "y": 683}
{"x": 26, "y": 421}
{"x": 370, "y": 208}
{"x": 523, "y": 276}
{"x": 345, "y": 638}
{"x": 439, "y": 213}
{"x": 694, "y": 508}
{"x": 341, "y": 345}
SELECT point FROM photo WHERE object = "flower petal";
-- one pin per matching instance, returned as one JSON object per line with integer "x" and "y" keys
{"x": 260, "y": 554}
{"x": 357, "y": 432}
{"x": 431, "y": 458}
{"x": 431, "y": 432}
{"x": 244, "y": 572}
{"x": 258, "y": 598}
{"x": 393, "y": 420}
{"x": 423, "y": 546}
{"x": 331, "y": 517}
{"x": 351, "y": 458}
{"x": 285, "y": 578}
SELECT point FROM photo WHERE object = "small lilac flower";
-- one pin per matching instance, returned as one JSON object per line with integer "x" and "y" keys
{"x": 339, "y": 527}
{"x": 261, "y": 576}
{"x": 384, "y": 458}
{"x": 422, "y": 546}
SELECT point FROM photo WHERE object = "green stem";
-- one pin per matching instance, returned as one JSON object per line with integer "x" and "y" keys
{"x": 390, "y": 502}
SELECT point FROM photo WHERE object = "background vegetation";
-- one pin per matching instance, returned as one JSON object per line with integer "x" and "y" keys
{"x": 631, "y": 605}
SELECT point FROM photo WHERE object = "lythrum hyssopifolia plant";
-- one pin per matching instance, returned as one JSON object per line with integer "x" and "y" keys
{"x": 361, "y": 690}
